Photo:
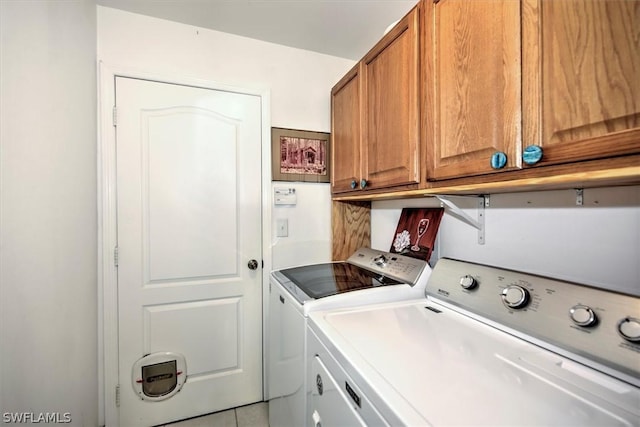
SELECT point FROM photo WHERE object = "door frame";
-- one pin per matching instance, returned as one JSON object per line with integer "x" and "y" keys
{"x": 107, "y": 225}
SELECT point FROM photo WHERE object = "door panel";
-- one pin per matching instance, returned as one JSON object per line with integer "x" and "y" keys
{"x": 183, "y": 167}
{"x": 212, "y": 352}
{"x": 582, "y": 87}
{"x": 189, "y": 220}
{"x": 474, "y": 85}
{"x": 391, "y": 123}
{"x": 345, "y": 132}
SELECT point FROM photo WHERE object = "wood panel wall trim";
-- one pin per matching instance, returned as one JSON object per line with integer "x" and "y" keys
{"x": 350, "y": 228}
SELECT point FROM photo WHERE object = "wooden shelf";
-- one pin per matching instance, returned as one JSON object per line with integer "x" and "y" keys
{"x": 579, "y": 175}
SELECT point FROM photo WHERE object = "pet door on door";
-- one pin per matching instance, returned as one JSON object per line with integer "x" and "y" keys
{"x": 159, "y": 376}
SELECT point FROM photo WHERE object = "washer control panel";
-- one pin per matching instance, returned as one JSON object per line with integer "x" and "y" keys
{"x": 595, "y": 324}
{"x": 395, "y": 266}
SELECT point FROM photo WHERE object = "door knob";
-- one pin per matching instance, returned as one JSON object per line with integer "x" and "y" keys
{"x": 253, "y": 264}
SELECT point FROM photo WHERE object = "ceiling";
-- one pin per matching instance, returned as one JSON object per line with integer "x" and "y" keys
{"x": 343, "y": 28}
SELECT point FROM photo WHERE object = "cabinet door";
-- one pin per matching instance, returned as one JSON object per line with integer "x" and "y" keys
{"x": 345, "y": 132}
{"x": 391, "y": 107}
{"x": 581, "y": 81}
{"x": 472, "y": 86}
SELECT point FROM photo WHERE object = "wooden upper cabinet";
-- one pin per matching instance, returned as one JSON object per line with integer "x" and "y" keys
{"x": 345, "y": 132}
{"x": 459, "y": 83}
{"x": 391, "y": 100}
{"x": 581, "y": 86}
{"x": 472, "y": 86}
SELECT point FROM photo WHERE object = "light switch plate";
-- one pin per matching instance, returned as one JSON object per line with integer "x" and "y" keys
{"x": 282, "y": 227}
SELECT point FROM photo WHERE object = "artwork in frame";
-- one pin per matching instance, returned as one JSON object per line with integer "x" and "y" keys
{"x": 300, "y": 155}
{"x": 416, "y": 232}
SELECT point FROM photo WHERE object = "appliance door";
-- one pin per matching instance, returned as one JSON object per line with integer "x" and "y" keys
{"x": 286, "y": 359}
{"x": 333, "y": 398}
{"x": 329, "y": 406}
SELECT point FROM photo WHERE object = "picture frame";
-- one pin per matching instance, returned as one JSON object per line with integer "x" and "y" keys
{"x": 416, "y": 232}
{"x": 300, "y": 155}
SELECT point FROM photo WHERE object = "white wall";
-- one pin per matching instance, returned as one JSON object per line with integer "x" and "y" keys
{"x": 541, "y": 232}
{"x": 299, "y": 83}
{"x": 48, "y": 292}
{"x": 309, "y": 223}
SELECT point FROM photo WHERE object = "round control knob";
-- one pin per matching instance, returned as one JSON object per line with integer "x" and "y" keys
{"x": 629, "y": 329}
{"x": 354, "y": 184}
{"x": 380, "y": 260}
{"x": 468, "y": 282}
{"x": 515, "y": 296}
{"x": 583, "y": 315}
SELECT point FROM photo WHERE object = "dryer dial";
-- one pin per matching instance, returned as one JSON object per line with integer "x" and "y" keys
{"x": 629, "y": 329}
{"x": 515, "y": 296}
{"x": 583, "y": 315}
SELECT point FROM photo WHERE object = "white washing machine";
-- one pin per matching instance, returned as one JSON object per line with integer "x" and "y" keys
{"x": 485, "y": 347}
{"x": 367, "y": 277}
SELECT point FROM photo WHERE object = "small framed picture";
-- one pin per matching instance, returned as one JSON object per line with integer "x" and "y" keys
{"x": 416, "y": 232}
{"x": 300, "y": 155}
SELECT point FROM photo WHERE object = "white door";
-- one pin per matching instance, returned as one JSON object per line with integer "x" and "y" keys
{"x": 189, "y": 223}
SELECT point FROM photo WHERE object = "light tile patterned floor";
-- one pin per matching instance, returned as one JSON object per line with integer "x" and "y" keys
{"x": 256, "y": 415}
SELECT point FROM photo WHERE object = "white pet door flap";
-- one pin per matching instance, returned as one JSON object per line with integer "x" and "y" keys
{"x": 158, "y": 376}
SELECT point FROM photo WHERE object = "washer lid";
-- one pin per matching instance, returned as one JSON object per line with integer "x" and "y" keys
{"x": 323, "y": 280}
{"x": 422, "y": 363}
{"x": 366, "y": 268}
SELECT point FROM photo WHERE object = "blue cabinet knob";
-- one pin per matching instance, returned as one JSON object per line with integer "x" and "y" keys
{"x": 363, "y": 183}
{"x": 532, "y": 154}
{"x": 498, "y": 160}
{"x": 354, "y": 184}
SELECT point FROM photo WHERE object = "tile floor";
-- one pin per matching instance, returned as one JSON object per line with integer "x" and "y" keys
{"x": 256, "y": 415}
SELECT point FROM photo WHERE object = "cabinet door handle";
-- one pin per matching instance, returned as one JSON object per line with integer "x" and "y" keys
{"x": 354, "y": 184}
{"x": 281, "y": 299}
{"x": 498, "y": 160}
{"x": 363, "y": 183}
{"x": 532, "y": 154}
